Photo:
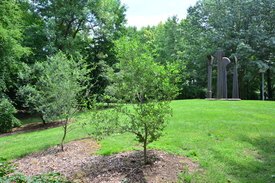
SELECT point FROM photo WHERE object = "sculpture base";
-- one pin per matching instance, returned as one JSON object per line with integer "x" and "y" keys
{"x": 224, "y": 99}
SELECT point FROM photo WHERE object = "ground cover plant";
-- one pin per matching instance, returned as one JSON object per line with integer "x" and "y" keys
{"x": 232, "y": 141}
{"x": 8, "y": 174}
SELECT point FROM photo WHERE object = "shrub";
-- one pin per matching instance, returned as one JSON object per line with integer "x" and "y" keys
{"x": 7, "y": 119}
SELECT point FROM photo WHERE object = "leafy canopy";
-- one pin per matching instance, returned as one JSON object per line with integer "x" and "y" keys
{"x": 145, "y": 84}
{"x": 54, "y": 94}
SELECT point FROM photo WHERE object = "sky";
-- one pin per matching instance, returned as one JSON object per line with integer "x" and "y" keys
{"x": 151, "y": 12}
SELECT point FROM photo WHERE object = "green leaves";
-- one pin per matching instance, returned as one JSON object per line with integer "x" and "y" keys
{"x": 59, "y": 83}
{"x": 242, "y": 28}
{"x": 7, "y": 119}
{"x": 8, "y": 173}
{"x": 148, "y": 86}
{"x": 5, "y": 168}
{"x": 11, "y": 49}
{"x": 140, "y": 78}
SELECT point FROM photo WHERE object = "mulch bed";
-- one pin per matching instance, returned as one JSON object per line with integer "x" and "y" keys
{"x": 80, "y": 164}
{"x": 33, "y": 127}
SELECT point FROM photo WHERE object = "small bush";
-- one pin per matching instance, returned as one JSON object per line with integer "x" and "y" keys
{"x": 7, "y": 119}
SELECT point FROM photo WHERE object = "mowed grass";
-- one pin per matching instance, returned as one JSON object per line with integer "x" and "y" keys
{"x": 233, "y": 141}
{"x": 19, "y": 145}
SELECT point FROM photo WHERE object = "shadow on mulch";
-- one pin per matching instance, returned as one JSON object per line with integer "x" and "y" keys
{"x": 33, "y": 127}
{"x": 129, "y": 167}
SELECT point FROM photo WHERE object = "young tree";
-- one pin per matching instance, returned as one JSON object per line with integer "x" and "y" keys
{"x": 55, "y": 93}
{"x": 146, "y": 85}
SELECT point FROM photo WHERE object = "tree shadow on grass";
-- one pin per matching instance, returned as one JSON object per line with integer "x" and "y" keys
{"x": 260, "y": 167}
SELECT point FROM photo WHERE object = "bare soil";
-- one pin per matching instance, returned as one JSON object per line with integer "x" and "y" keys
{"x": 80, "y": 164}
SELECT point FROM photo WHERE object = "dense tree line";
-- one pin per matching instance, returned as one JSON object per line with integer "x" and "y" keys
{"x": 35, "y": 34}
{"x": 91, "y": 32}
{"x": 31, "y": 31}
{"x": 240, "y": 28}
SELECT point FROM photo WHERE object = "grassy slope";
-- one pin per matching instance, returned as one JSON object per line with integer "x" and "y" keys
{"x": 19, "y": 145}
{"x": 232, "y": 141}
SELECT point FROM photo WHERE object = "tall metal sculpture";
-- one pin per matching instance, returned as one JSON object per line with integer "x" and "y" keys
{"x": 235, "y": 90}
{"x": 222, "y": 74}
{"x": 209, "y": 76}
{"x": 219, "y": 54}
{"x": 222, "y": 63}
{"x": 262, "y": 71}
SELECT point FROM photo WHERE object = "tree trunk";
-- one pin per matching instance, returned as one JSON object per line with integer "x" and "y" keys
{"x": 43, "y": 120}
{"x": 263, "y": 92}
{"x": 269, "y": 84}
{"x": 145, "y": 146}
{"x": 260, "y": 87}
{"x": 64, "y": 134}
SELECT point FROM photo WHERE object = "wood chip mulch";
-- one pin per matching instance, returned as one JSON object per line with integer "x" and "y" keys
{"x": 80, "y": 164}
{"x": 33, "y": 127}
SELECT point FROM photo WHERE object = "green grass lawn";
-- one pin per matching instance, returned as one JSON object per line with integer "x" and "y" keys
{"x": 233, "y": 141}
